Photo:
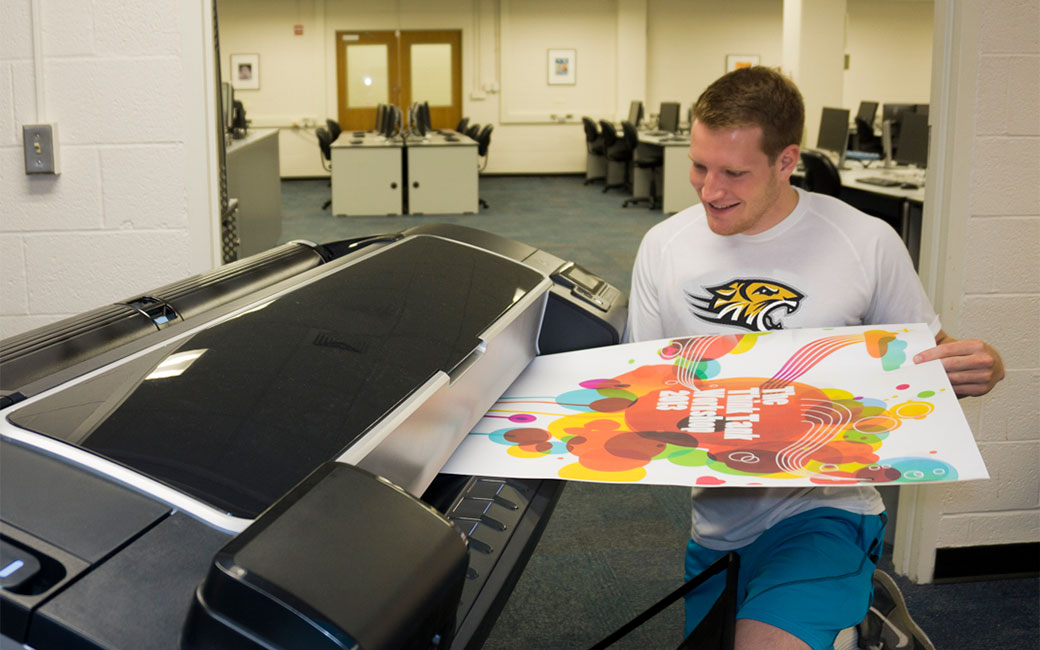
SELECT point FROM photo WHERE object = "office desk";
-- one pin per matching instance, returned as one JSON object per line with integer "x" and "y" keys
{"x": 375, "y": 176}
{"x": 367, "y": 176}
{"x": 254, "y": 178}
{"x": 442, "y": 175}
{"x": 677, "y": 193}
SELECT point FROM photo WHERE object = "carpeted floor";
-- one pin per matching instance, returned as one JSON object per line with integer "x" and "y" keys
{"x": 610, "y": 551}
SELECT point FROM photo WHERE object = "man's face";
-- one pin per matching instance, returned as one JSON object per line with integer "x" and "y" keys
{"x": 741, "y": 191}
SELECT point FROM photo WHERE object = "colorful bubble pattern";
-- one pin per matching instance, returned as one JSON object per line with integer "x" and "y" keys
{"x": 616, "y": 427}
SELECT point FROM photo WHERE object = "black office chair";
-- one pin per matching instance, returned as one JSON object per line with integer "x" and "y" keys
{"x": 865, "y": 140}
{"x": 461, "y": 126}
{"x": 483, "y": 142}
{"x": 472, "y": 131}
{"x": 646, "y": 162}
{"x": 820, "y": 174}
{"x": 595, "y": 157}
{"x": 334, "y": 129}
{"x": 325, "y": 146}
{"x": 618, "y": 156}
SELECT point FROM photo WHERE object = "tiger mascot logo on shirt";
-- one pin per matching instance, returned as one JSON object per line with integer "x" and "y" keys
{"x": 751, "y": 304}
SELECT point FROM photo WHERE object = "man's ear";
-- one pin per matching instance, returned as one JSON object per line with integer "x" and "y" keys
{"x": 788, "y": 160}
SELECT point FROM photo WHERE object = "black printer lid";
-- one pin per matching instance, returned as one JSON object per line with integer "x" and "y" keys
{"x": 242, "y": 410}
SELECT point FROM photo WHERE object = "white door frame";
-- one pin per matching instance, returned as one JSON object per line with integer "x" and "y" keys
{"x": 947, "y": 208}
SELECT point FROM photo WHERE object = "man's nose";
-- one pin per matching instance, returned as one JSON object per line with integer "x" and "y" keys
{"x": 713, "y": 187}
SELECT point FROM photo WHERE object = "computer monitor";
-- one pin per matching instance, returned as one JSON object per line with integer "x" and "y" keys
{"x": 912, "y": 146}
{"x": 227, "y": 102}
{"x": 921, "y": 109}
{"x": 413, "y": 121}
{"x": 421, "y": 126}
{"x": 892, "y": 112}
{"x": 380, "y": 116}
{"x": 386, "y": 126}
{"x": 668, "y": 118}
{"x": 635, "y": 112}
{"x": 867, "y": 111}
{"x": 834, "y": 132}
{"x": 424, "y": 113}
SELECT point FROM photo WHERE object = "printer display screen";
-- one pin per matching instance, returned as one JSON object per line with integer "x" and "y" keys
{"x": 241, "y": 411}
{"x": 583, "y": 278}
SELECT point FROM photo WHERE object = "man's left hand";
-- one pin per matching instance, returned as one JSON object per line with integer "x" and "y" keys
{"x": 973, "y": 366}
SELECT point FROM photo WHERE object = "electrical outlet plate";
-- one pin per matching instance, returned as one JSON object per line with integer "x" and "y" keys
{"x": 41, "y": 148}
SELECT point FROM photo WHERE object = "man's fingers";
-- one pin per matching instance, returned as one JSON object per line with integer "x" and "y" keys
{"x": 965, "y": 347}
{"x": 980, "y": 362}
{"x": 981, "y": 377}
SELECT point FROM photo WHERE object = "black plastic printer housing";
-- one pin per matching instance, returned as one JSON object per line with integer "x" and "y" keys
{"x": 272, "y": 586}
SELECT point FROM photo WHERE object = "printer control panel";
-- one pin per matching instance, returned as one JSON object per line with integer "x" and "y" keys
{"x": 586, "y": 286}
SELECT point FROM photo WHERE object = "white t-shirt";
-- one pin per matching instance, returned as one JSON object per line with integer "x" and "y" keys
{"x": 825, "y": 265}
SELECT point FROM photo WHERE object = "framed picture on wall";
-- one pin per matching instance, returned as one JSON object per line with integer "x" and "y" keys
{"x": 563, "y": 67}
{"x": 738, "y": 61}
{"x": 245, "y": 71}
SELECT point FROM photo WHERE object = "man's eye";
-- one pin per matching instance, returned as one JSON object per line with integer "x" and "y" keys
{"x": 734, "y": 173}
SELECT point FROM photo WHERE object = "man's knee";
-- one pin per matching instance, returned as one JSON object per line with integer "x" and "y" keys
{"x": 755, "y": 635}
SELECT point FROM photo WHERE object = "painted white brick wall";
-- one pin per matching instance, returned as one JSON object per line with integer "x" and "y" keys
{"x": 1001, "y": 291}
{"x": 115, "y": 222}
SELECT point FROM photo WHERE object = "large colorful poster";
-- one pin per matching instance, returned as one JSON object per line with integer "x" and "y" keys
{"x": 836, "y": 406}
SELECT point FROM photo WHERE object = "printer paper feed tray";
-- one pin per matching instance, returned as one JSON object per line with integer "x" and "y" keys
{"x": 242, "y": 409}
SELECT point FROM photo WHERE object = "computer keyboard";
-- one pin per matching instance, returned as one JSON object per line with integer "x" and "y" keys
{"x": 879, "y": 180}
{"x": 904, "y": 180}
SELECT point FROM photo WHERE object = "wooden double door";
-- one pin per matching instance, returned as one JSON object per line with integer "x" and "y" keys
{"x": 398, "y": 67}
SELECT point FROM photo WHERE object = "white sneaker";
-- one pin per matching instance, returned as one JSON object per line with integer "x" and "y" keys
{"x": 888, "y": 625}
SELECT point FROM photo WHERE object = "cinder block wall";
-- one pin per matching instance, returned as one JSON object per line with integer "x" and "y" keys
{"x": 1001, "y": 291}
{"x": 115, "y": 221}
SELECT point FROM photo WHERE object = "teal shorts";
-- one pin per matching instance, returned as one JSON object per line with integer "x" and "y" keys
{"x": 809, "y": 575}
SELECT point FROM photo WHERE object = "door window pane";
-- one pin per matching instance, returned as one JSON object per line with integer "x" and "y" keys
{"x": 431, "y": 73}
{"x": 367, "y": 76}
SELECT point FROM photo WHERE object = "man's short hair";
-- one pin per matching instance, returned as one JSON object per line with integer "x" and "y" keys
{"x": 755, "y": 96}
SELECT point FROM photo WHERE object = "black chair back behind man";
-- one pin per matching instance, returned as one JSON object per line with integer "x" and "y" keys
{"x": 618, "y": 156}
{"x": 595, "y": 157}
{"x": 325, "y": 147}
{"x": 334, "y": 129}
{"x": 820, "y": 174}
{"x": 643, "y": 163}
{"x": 483, "y": 142}
{"x": 865, "y": 140}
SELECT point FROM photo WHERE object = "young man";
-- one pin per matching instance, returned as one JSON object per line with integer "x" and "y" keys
{"x": 758, "y": 254}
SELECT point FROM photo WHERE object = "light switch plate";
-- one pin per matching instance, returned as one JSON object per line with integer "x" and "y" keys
{"x": 41, "y": 148}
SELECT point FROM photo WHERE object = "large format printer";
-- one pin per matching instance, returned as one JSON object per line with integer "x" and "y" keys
{"x": 250, "y": 458}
